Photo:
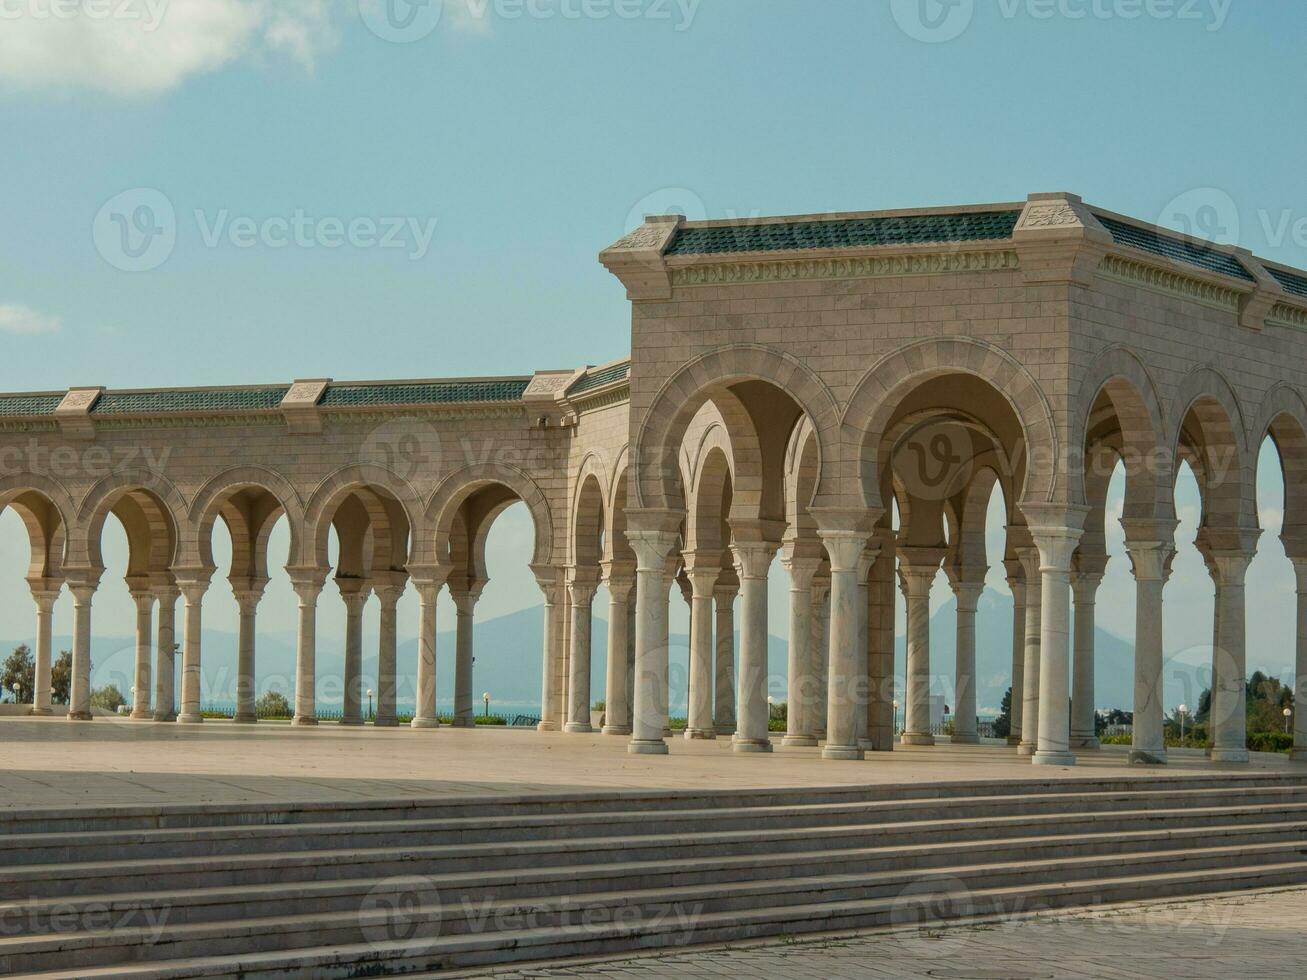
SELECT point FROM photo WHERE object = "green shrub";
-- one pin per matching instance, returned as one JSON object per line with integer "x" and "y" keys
{"x": 1270, "y": 741}
{"x": 108, "y": 697}
{"x": 272, "y": 704}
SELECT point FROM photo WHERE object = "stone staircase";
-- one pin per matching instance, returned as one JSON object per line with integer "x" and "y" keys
{"x": 371, "y": 889}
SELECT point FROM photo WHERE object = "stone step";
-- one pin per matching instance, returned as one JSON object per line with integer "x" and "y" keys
{"x": 100, "y": 877}
{"x": 41, "y": 917}
{"x": 934, "y": 899}
{"x": 170, "y": 843}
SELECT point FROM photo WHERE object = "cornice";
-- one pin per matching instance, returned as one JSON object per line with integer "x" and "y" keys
{"x": 1285, "y": 315}
{"x": 1169, "y": 281}
{"x": 617, "y": 395}
{"x": 849, "y": 267}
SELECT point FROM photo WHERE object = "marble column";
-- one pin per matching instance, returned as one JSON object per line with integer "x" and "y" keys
{"x": 307, "y": 586}
{"x": 882, "y": 589}
{"x": 464, "y": 654}
{"x": 354, "y": 594}
{"x": 1016, "y": 582}
{"x": 846, "y": 548}
{"x": 917, "y": 570}
{"x": 193, "y": 590}
{"x": 820, "y": 640}
{"x": 141, "y": 680}
{"x": 652, "y": 546}
{"x": 387, "y": 655}
{"x": 45, "y": 599}
{"x": 753, "y": 714}
{"x": 620, "y": 581}
{"x": 1030, "y": 669}
{"x": 1299, "y": 753}
{"x": 968, "y": 583}
{"x": 801, "y": 674}
{"x": 1056, "y": 531}
{"x": 165, "y": 654}
{"x": 1150, "y": 546}
{"x": 248, "y": 595}
{"x": 1085, "y": 581}
{"x": 702, "y": 571}
{"x": 1228, "y": 553}
{"x": 428, "y": 586}
{"x": 552, "y": 587}
{"x": 79, "y": 694}
{"x": 581, "y": 589}
{"x": 630, "y": 651}
{"x": 862, "y": 652}
{"x": 724, "y": 643}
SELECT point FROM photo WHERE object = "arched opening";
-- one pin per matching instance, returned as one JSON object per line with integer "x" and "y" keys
{"x": 31, "y": 524}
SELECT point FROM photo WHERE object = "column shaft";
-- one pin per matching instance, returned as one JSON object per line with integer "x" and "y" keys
{"x": 700, "y": 724}
{"x": 387, "y": 644}
{"x": 801, "y": 668}
{"x": 724, "y": 643}
{"x": 652, "y": 548}
{"x": 424, "y": 713}
{"x": 1299, "y": 753}
{"x": 617, "y": 706}
{"x": 165, "y": 656}
{"x": 192, "y": 641}
{"x": 1030, "y": 669}
{"x": 881, "y": 614}
{"x": 967, "y": 592}
{"x": 246, "y": 692}
{"x": 307, "y": 589}
{"x": 464, "y": 653}
{"x": 45, "y": 601}
{"x": 582, "y": 594}
{"x": 1084, "y": 585}
{"x": 79, "y": 697}
{"x": 819, "y": 652}
{"x": 846, "y": 550}
{"x": 1056, "y": 544}
{"x": 352, "y": 699}
{"x": 1229, "y": 718}
{"x": 141, "y": 694}
{"x": 1017, "y": 583}
{"x": 752, "y": 561}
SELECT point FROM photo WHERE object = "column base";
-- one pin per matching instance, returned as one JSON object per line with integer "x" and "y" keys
{"x": 644, "y": 746}
{"x": 1053, "y": 759}
{"x": 1026, "y": 748}
{"x": 190, "y": 718}
{"x": 964, "y": 740}
{"x": 143, "y": 715}
{"x": 386, "y": 723}
{"x": 464, "y": 721}
{"x": 916, "y": 738}
{"x": 706, "y": 734}
{"x": 578, "y": 728}
{"x": 304, "y": 720}
{"x": 750, "y": 744}
{"x": 726, "y": 731}
{"x": 1229, "y": 755}
{"x": 802, "y": 741}
{"x": 547, "y": 726}
{"x": 352, "y": 722}
{"x": 1014, "y": 740}
{"x": 615, "y": 730}
{"x": 424, "y": 723}
{"x": 843, "y": 753}
{"x": 1148, "y": 757}
{"x": 1090, "y": 743}
{"x": 166, "y": 716}
{"x": 42, "y": 712}
{"x": 79, "y": 716}
{"x": 245, "y": 719}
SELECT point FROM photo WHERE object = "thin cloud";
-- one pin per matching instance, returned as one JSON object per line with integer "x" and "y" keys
{"x": 23, "y": 321}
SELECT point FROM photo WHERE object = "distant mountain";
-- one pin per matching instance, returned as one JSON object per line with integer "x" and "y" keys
{"x": 509, "y": 657}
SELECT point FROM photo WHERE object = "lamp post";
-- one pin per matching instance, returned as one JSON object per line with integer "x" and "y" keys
{"x": 1182, "y": 711}
{"x": 485, "y": 700}
{"x": 1288, "y": 713}
{"x": 370, "y": 718}
{"x": 896, "y": 717}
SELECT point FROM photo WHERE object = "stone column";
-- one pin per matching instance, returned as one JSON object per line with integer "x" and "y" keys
{"x": 802, "y": 563}
{"x": 193, "y": 589}
{"x": 620, "y": 580}
{"x": 846, "y": 547}
{"x": 308, "y": 586}
{"x": 581, "y": 589}
{"x": 1151, "y": 546}
{"x": 917, "y": 570}
{"x": 724, "y": 641}
{"x": 464, "y": 654}
{"x": 428, "y": 585}
{"x": 1228, "y": 553}
{"x": 552, "y": 586}
{"x": 752, "y": 561}
{"x": 820, "y": 640}
{"x": 165, "y": 654}
{"x": 1016, "y": 581}
{"x": 1299, "y": 753}
{"x": 862, "y": 693}
{"x": 354, "y": 594}
{"x": 248, "y": 595}
{"x": 45, "y": 598}
{"x": 1056, "y": 531}
{"x": 388, "y": 596}
{"x": 968, "y": 583}
{"x": 702, "y": 571}
{"x": 652, "y": 545}
{"x": 630, "y": 651}
{"x": 141, "y": 694}
{"x": 79, "y": 696}
{"x": 1030, "y": 669}
{"x": 881, "y": 594}
{"x": 1085, "y": 581}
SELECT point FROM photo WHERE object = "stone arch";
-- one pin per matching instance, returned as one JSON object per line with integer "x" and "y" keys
{"x": 619, "y": 549}
{"x": 801, "y": 471}
{"x": 1283, "y": 418}
{"x": 711, "y": 497}
{"x": 249, "y": 521}
{"x": 882, "y": 389}
{"x": 1209, "y": 432}
{"x": 405, "y": 509}
{"x": 968, "y": 514}
{"x": 163, "y": 511}
{"x": 710, "y": 377}
{"x": 44, "y": 507}
{"x": 441, "y": 510}
{"x": 590, "y": 520}
{"x": 1117, "y": 404}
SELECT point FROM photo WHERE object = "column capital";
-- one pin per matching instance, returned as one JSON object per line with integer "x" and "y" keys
{"x": 652, "y": 548}
{"x": 1015, "y": 573}
{"x": 1227, "y": 548}
{"x": 618, "y": 578}
{"x": 354, "y": 593}
{"x": 389, "y": 594}
{"x": 855, "y": 520}
{"x": 703, "y": 581}
{"x": 465, "y": 599}
{"x": 753, "y": 558}
{"x": 845, "y": 546}
{"x": 582, "y": 584}
{"x": 1150, "y": 560}
{"x": 918, "y": 568}
{"x": 967, "y": 583}
{"x": 803, "y": 568}
{"x": 44, "y": 596}
{"x": 1085, "y": 586}
{"x": 307, "y": 581}
{"x": 82, "y": 582}
{"x": 144, "y": 600}
{"x": 551, "y": 580}
{"x": 1299, "y": 568}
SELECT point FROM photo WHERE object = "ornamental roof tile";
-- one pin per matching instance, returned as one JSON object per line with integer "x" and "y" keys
{"x": 909, "y": 229}
{"x": 598, "y": 378}
{"x": 12, "y": 405}
{"x": 1293, "y": 283}
{"x": 1201, "y": 256}
{"x": 189, "y": 400}
{"x": 423, "y": 393}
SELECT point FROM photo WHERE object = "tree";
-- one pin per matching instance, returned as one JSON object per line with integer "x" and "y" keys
{"x": 61, "y": 678}
{"x": 108, "y": 697}
{"x": 1003, "y": 723}
{"x": 273, "y": 704}
{"x": 18, "y": 674}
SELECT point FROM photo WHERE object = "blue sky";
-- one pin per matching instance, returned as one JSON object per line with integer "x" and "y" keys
{"x": 522, "y": 139}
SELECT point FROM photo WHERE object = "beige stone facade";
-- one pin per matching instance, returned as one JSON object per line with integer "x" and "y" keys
{"x": 790, "y": 380}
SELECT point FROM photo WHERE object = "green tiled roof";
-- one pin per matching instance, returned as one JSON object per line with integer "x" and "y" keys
{"x": 846, "y": 233}
{"x": 597, "y": 379}
{"x": 29, "y": 404}
{"x": 1210, "y": 259}
{"x": 1292, "y": 282}
{"x": 426, "y": 393}
{"x": 189, "y": 400}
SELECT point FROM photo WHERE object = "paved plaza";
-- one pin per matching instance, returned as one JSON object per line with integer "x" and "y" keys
{"x": 1255, "y": 935}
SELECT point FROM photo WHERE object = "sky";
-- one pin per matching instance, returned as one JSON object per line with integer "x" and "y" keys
{"x": 232, "y": 191}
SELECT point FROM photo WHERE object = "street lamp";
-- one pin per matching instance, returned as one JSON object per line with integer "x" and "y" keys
{"x": 370, "y": 718}
{"x": 485, "y": 700}
{"x": 896, "y": 717}
{"x": 1288, "y": 713}
{"x": 1182, "y": 711}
